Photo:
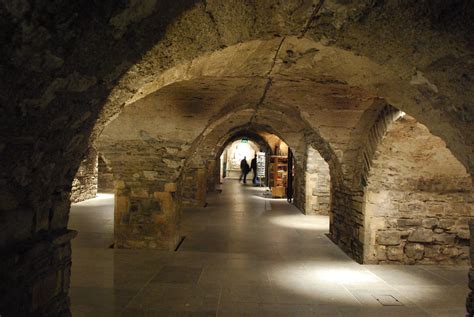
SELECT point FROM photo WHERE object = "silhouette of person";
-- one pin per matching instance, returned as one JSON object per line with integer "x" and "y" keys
{"x": 244, "y": 170}
{"x": 253, "y": 166}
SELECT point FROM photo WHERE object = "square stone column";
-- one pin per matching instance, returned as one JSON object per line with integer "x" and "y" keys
{"x": 145, "y": 219}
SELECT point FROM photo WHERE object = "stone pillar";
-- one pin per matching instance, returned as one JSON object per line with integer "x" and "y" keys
{"x": 299, "y": 188}
{"x": 84, "y": 185}
{"x": 211, "y": 176}
{"x": 145, "y": 219}
{"x": 347, "y": 223}
{"x": 105, "y": 177}
{"x": 318, "y": 184}
{"x": 34, "y": 278}
{"x": 201, "y": 188}
{"x": 470, "y": 297}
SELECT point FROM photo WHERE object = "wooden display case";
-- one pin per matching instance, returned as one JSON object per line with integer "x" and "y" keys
{"x": 278, "y": 175}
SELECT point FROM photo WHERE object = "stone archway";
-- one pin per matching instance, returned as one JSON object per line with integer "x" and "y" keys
{"x": 64, "y": 73}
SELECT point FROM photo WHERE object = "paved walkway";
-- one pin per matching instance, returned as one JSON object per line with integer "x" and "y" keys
{"x": 246, "y": 255}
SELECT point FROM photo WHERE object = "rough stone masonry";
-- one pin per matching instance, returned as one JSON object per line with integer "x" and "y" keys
{"x": 316, "y": 73}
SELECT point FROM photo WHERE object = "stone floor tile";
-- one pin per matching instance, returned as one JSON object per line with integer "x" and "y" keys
{"x": 241, "y": 258}
{"x": 177, "y": 275}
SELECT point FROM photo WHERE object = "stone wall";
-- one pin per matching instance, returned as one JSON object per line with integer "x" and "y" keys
{"x": 299, "y": 185}
{"x": 470, "y": 298}
{"x": 105, "y": 179}
{"x": 84, "y": 185}
{"x": 318, "y": 184}
{"x": 213, "y": 174}
{"x": 194, "y": 186}
{"x": 418, "y": 201}
{"x": 67, "y": 78}
{"x": 35, "y": 277}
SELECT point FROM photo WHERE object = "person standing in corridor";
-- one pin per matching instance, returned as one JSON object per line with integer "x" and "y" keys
{"x": 244, "y": 170}
{"x": 253, "y": 166}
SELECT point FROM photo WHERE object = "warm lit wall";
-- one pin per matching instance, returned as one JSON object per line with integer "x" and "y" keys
{"x": 318, "y": 184}
{"x": 418, "y": 201}
{"x": 84, "y": 185}
{"x": 105, "y": 179}
{"x": 236, "y": 151}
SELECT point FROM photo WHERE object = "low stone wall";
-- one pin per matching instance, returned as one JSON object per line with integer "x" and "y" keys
{"x": 84, "y": 185}
{"x": 419, "y": 227}
{"x": 418, "y": 201}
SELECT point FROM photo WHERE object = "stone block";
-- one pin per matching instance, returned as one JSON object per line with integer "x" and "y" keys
{"x": 446, "y": 223}
{"x": 436, "y": 210}
{"x": 451, "y": 252}
{"x": 421, "y": 235}
{"x": 430, "y": 223}
{"x": 140, "y": 192}
{"x": 463, "y": 234}
{"x": 166, "y": 201}
{"x": 171, "y": 187}
{"x": 414, "y": 251}
{"x": 432, "y": 251}
{"x": 463, "y": 222}
{"x": 381, "y": 252}
{"x": 151, "y": 175}
{"x": 395, "y": 253}
{"x": 416, "y": 207}
{"x": 408, "y": 222}
{"x": 388, "y": 237}
{"x": 119, "y": 184}
{"x": 444, "y": 238}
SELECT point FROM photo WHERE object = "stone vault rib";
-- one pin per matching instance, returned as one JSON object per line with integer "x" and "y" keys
{"x": 269, "y": 80}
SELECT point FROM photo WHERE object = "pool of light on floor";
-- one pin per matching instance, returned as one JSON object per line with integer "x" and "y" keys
{"x": 344, "y": 276}
{"x": 100, "y": 199}
{"x": 317, "y": 223}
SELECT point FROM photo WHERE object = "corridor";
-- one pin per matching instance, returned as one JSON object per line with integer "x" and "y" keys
{"x": 246, "y": 255}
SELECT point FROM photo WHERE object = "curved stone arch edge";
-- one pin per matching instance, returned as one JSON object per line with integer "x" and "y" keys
{"x": 379, "y": 82}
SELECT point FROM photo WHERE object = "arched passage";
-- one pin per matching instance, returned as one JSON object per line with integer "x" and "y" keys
{"x": 64, "y": 73}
